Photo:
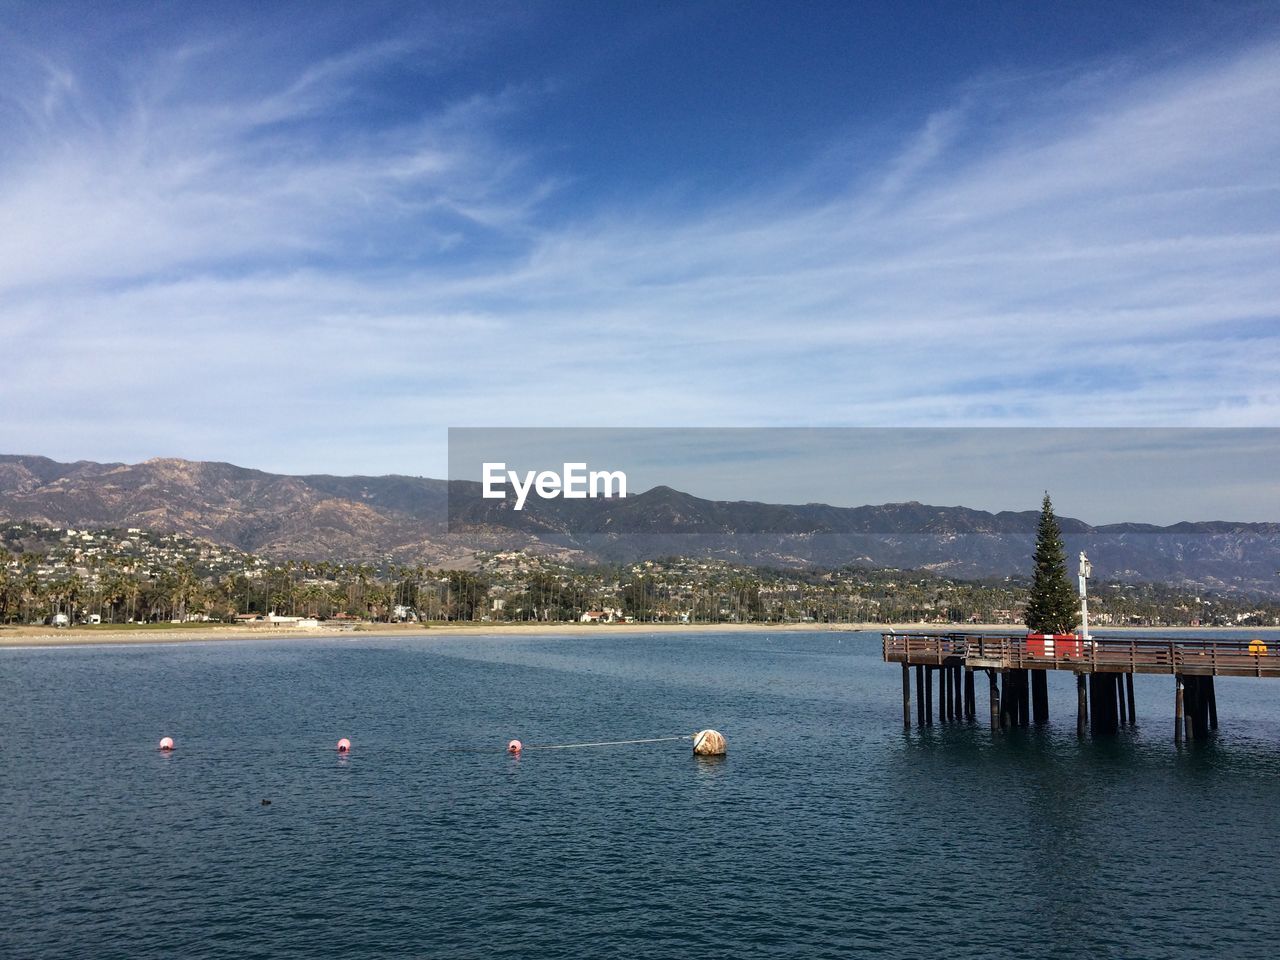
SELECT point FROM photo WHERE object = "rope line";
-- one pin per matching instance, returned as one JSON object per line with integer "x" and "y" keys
{"x": 602, "y": 743}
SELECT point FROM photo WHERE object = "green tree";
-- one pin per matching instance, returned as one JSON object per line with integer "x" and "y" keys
{"x": 639, "y": 597}
{"x": 467, "y": 595}
{"x": 1051, "y": 607}
{"x": 10, "y": 593}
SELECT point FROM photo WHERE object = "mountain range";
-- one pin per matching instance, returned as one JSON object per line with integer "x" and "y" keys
{"x": 438, "y": 523}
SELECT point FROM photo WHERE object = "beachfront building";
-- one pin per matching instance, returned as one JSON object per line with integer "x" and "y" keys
{"x": 607, "y": 615}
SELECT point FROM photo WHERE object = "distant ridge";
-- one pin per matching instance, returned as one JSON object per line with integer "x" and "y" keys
{"x": 404, "y": 518}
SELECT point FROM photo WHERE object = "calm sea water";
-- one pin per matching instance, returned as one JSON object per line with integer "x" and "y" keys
{"x": 826, "y": 832}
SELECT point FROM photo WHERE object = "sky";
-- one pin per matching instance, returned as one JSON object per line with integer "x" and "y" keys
{"x": 1160, "y": 475}
{"x": 313, "y": 237}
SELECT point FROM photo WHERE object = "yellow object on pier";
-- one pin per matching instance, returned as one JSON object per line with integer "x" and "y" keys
{"x": 1257, "y": 648}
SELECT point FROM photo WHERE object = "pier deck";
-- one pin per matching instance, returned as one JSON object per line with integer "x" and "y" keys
{"x": 1101, "y": 654}
{"x": 1018, "y": 665}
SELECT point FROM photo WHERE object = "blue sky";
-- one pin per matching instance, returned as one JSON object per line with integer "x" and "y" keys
{"x": 1100, "y": 475}
{"x": 313, "y": 237}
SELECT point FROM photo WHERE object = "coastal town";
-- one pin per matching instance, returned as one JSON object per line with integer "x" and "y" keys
{"x": 61, "y": 576}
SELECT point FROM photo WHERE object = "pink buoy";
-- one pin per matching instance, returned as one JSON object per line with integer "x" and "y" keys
{"x": 166, "y": 743}
{"x": 344, "y": 745}
{"x": 515, "y": 746}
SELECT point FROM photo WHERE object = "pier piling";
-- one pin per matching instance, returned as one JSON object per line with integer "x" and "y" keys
{"x": 1211, "y": 698}
{"x": 1082, "y": 705}
{"x": 942, "y": 693}
{"x": 906, "y": 697}
{"x": 1103, "y": 715}
{"x": 919, "y": 695}
{"x": 1040, "y": 697}
{"x": 1198, "y": 711}
{"x": 1178, "y": 701}
{"x": 1014, "y": 690}
{"x": 1128, "y": 684}
{"x": 995, "y": 699}
{"x": 1008, "y": 711}
{"x": 1191, "y": 707}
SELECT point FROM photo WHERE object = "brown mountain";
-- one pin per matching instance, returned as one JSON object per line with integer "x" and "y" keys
{"x": 307, "y": 517}
{"x": 404, "y": 519}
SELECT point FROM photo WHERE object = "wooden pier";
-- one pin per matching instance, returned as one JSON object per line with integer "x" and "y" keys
{"x": 1017, "y": 669}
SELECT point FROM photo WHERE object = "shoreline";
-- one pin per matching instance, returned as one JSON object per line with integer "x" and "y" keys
{"x": 43, "y": 636}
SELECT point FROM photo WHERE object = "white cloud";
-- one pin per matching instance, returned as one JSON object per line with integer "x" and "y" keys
{"x": 245, "y": 278}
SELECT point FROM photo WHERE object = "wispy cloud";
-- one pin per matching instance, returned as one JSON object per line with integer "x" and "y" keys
{"x": 253, "y": 276}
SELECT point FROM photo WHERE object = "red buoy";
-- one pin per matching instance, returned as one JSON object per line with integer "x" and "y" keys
{"x": 344, "y": 745}
{"x": 166, "y": 744}
{"x": 514, "y": 747}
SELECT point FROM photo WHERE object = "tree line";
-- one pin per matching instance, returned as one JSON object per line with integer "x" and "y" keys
{"x": 671, "y": 591}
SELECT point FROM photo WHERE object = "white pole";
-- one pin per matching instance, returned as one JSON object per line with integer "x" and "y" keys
{"x": 1085, "y": 569}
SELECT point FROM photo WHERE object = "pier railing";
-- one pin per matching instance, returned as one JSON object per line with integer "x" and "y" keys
{"x": 1100, "y": 654}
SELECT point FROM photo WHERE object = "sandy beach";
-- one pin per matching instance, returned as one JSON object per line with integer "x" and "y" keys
{"x": 43, "y": 636}
{"x": 28, "y": 636}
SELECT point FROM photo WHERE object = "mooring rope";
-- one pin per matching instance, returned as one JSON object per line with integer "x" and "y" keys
{"x": 600, "y": 743}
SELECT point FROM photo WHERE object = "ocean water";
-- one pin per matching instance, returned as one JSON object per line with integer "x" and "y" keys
{"x": 827, "y": 831}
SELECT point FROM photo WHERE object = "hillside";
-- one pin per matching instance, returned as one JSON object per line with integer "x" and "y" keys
{"x": 411, "y": 519}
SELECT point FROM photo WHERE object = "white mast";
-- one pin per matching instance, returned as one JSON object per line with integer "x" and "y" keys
{"x": 1086, "y": 568}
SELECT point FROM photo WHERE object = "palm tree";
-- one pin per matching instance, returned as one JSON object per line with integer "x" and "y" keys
{"x": 10, "y": 594}
{"x": 28, "y": 583}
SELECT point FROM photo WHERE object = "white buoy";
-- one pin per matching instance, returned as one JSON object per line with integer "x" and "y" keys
{"x": 709, "y": 743}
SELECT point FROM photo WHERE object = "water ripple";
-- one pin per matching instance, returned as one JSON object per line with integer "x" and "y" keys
{"x": 826, "y": 832}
